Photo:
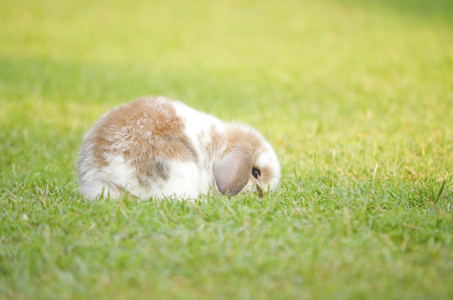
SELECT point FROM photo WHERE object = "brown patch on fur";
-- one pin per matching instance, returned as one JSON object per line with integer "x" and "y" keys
{"x": 146, "y": 132}
{"x": 245, "y": 138}
{"x": 217, "y": 139}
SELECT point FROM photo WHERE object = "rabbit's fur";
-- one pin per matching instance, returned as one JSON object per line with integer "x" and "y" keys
{"x": 154, "y": 147}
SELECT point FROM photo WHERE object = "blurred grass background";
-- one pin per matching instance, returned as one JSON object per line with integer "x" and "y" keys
{"x": 346, "y": 91}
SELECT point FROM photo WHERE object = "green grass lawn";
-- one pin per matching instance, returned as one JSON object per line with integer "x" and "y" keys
{"x": 355, "y": 96}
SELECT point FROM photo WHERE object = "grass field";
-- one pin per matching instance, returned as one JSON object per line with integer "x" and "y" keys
{"x": 355, "y": 96}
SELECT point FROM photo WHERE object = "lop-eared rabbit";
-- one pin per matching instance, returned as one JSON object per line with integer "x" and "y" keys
{"x": 155, "y": 147}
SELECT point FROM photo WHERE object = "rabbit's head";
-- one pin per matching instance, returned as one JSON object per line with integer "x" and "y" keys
{"x": 248, "y": 163}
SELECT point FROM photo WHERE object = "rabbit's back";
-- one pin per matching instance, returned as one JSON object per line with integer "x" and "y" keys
{"x": 149, "y": 147}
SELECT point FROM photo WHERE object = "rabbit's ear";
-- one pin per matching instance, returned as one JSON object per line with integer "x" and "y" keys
{"x": 232, "y": 171}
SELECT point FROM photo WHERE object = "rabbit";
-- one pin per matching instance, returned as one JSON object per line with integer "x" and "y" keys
{"x": 159, "y": 148}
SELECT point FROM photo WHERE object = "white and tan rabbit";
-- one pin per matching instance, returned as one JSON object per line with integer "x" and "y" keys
{"x": 154, "y": 147}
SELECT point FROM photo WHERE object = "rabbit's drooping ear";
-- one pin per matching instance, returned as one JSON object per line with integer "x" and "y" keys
{"x": 232, "y": 171}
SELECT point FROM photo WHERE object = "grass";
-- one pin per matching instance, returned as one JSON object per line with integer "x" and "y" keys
{"x": 356, "y": 97}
